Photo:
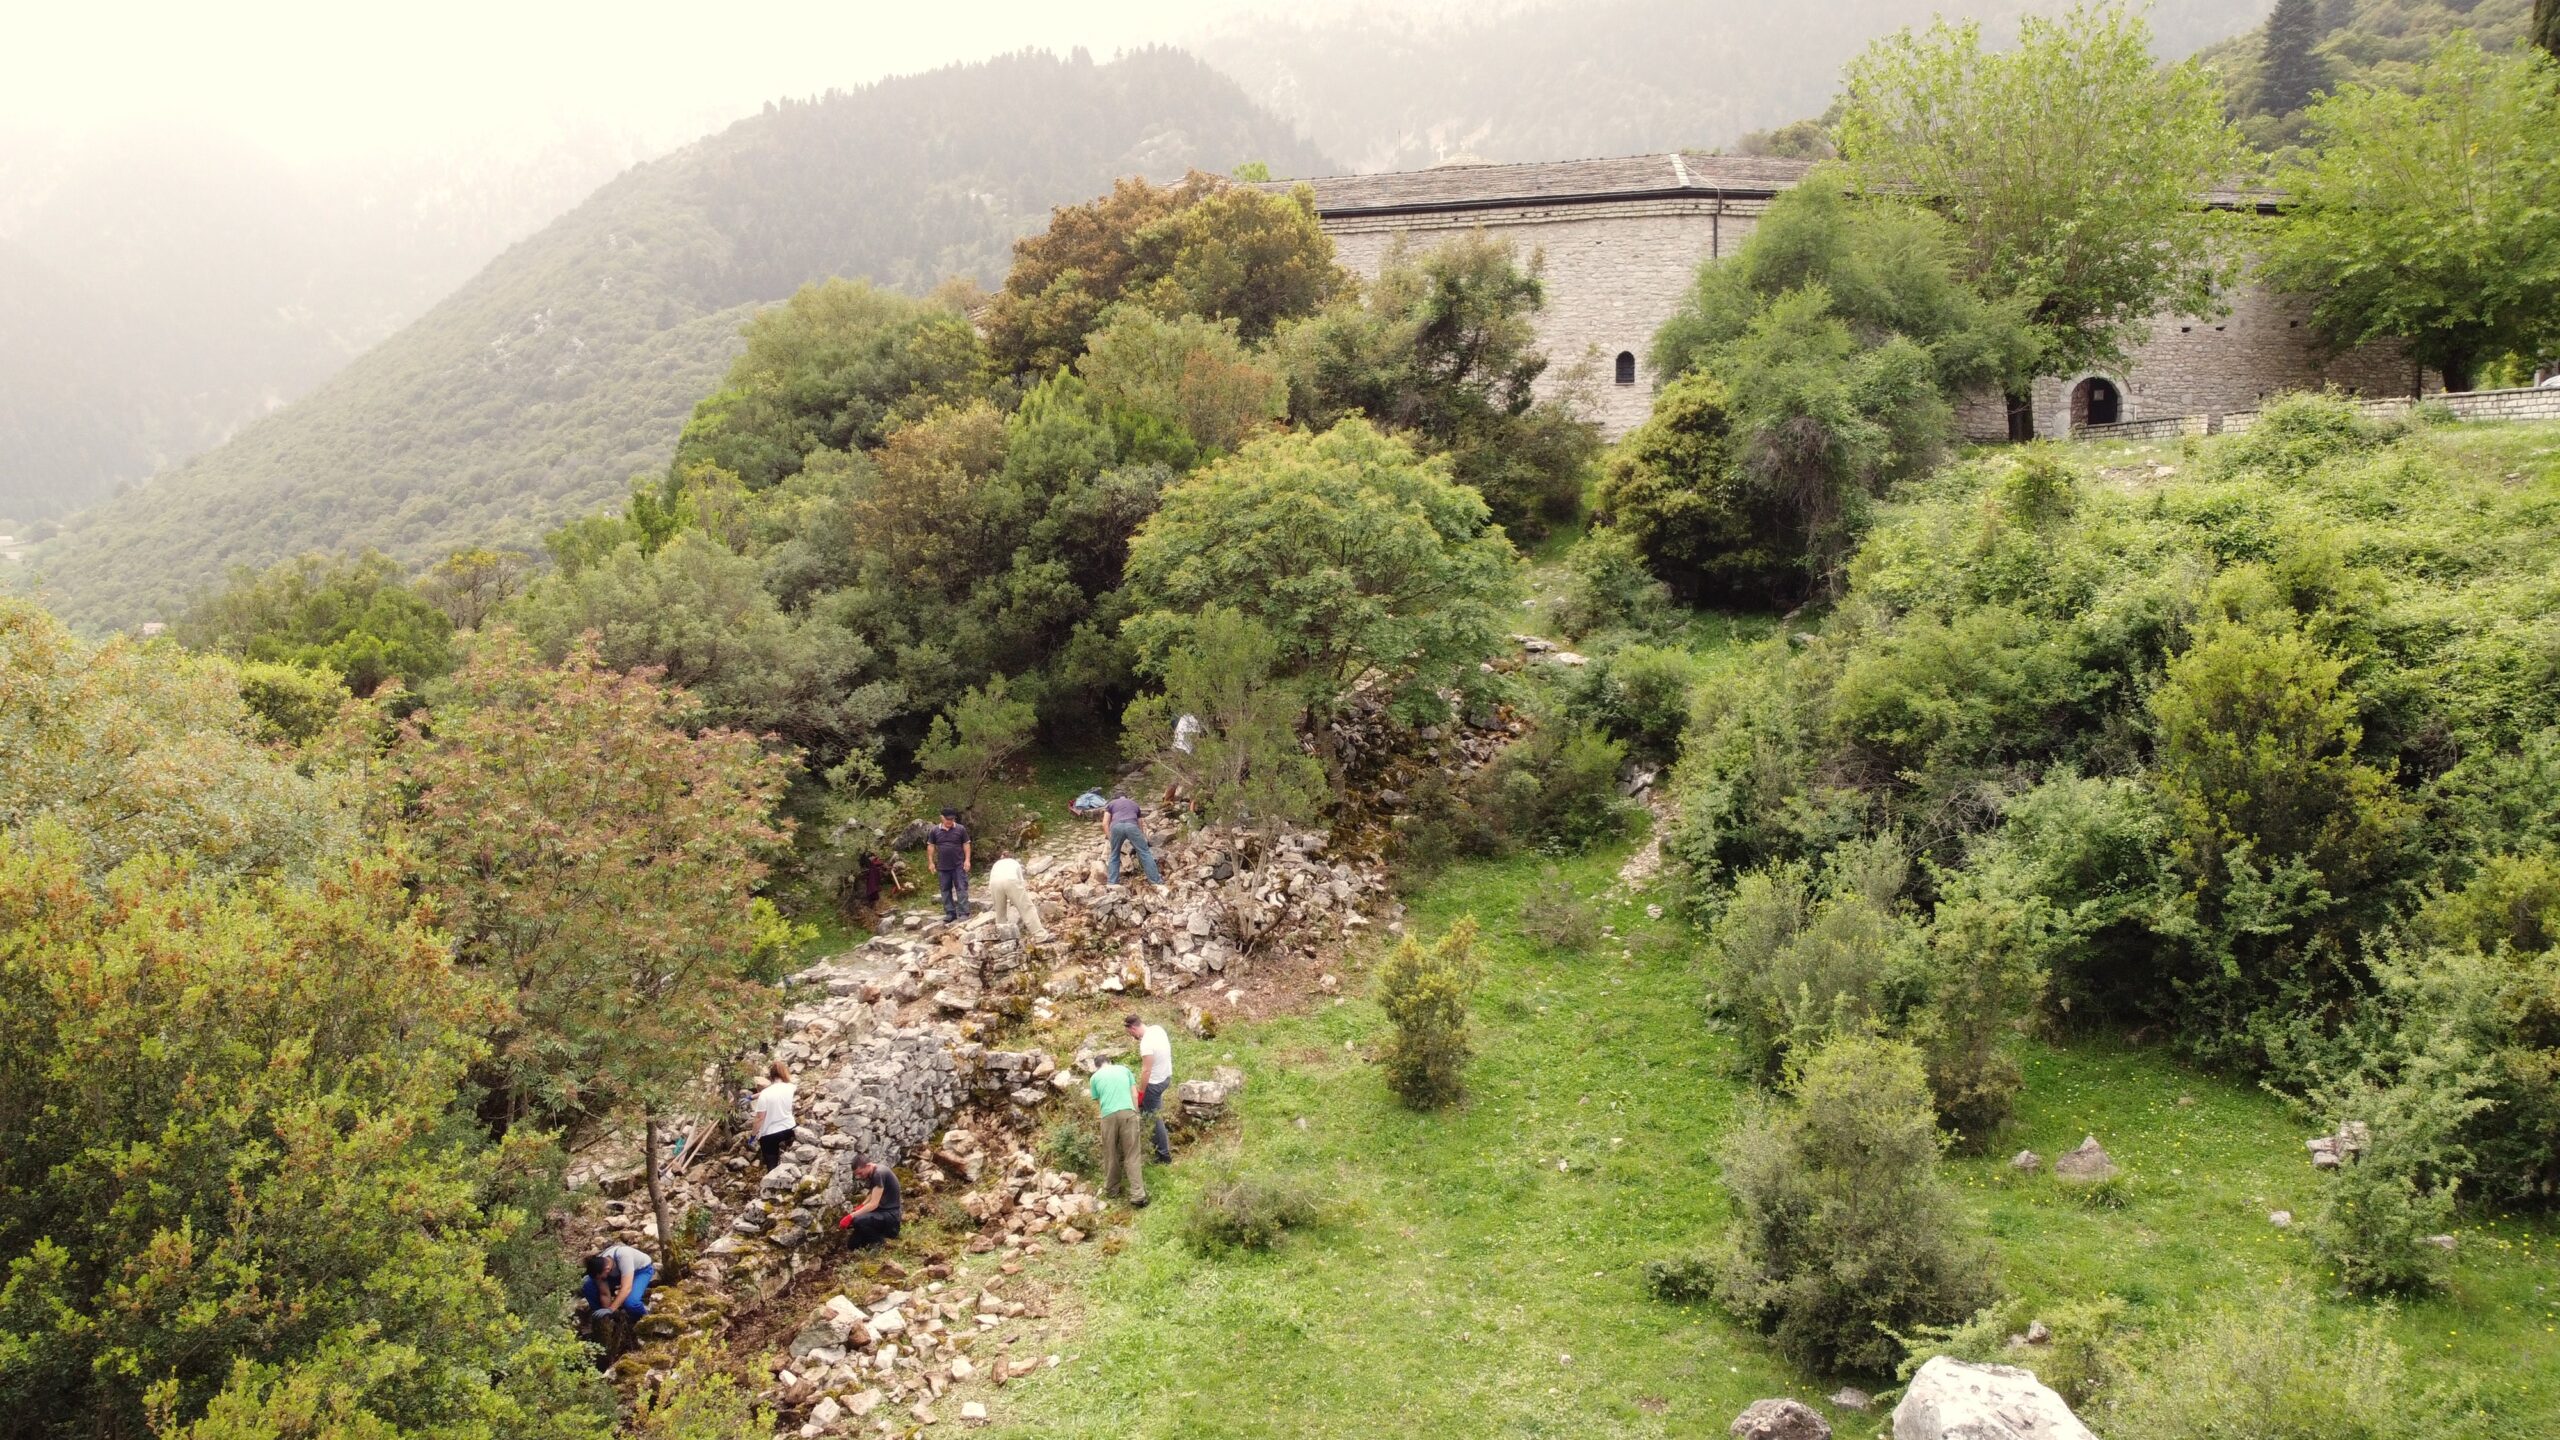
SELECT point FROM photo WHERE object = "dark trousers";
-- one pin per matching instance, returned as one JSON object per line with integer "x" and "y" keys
{"x": 869, "y": 1230}
{"x": 769, "y": 1148}
{"x": 955, "y": 893}
{"x": 1151, "y": 1105}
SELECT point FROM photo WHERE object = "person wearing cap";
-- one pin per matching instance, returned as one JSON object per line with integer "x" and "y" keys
{"x": 1009, "y": 896}
{"x": 1155, "y": 1076}
{"x": 1114, "y": 1091}
{"x": 948, "y": 843}
{"x": 1120, "y": 827}
{"x": 877, "y": 1216}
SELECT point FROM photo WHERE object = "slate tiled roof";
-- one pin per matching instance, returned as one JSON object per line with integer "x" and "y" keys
{"x": 1547, "y": 182}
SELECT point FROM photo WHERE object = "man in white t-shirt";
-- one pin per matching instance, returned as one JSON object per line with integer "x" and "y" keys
{"x": 1155, "y": 1076}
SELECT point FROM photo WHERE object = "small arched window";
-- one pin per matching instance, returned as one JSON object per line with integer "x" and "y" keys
{"x": 1626, "y": 367}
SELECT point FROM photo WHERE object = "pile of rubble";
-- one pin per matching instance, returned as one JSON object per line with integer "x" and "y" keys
{"x": 904, "y": 1348}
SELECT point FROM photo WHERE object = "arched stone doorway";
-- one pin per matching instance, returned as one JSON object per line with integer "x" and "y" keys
{"x": 1626, "y": 367}
{"x": 2096, "y": 401}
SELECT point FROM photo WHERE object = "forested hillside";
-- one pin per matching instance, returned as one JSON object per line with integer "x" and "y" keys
{"x": 159, "y": 292}
{"x": 2319, "y": 45}
{"x": 538, "y": 389}
{"x": 1549, "y": 82}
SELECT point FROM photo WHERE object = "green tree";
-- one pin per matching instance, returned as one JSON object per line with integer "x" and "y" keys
{"x": 1247, "y": 257}
{"x": 1844, "y": 1235}
{"x": 1244, "y": 765}
{"x": 1365, "y": 559}
{"x": 1424, "y": 993}
{"x": 1443, "y": 347}
{"x": 2546, "y": 26}
{"x": 470, "y": 585}
{"x": 359, "y": 618}
{"x": 1064, "y": 277}
{"x": 2295, "y": 1373}
{"x": 2071, "y": 165}
{"x": 970, "y": 744}
{"x": 146, "y": 749}
{"x": 238, "y": 1200}
{"x": 1179, "y": 390}
{"x": 595, "y": 859}
{"x": 836, "y": 366}
{"x": 2433, "y": 217}
{"x": 2289, "y": 70}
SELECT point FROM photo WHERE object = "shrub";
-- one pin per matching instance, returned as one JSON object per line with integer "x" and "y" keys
{"x": 1424, "y": 993}
{"x": 1982, "y": 979}
{"x": 1557, "y": 918}
{"x": 1608, "y": 588}
{"x": 1681, "y": 1279}
{"x": 1069, "y": 1145}
{"x": 1248, "y": 1212}
{"x": 1844, "y": 1235}
{"x": 2077, "y": 1358}
{"x": 695, "y": 1403}
{"x": 1799, "y": 963}
{"x": 2273, "y": 1372}
{"x": 2379, "y": 1209}
{"x": 1638, "y": 694}
{"x": 1556, "y": 789}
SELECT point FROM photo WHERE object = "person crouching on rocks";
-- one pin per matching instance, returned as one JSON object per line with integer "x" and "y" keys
{"x": 616, "y": 1295}
{"x": 776, "y": 1126}
{"x": 875, "y": 1218}
{"x": 1009, "y": 896}
{"x": 1114, "y": 1089}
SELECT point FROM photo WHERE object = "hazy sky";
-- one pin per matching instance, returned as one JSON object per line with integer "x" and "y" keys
{"x": 326, "y": 80}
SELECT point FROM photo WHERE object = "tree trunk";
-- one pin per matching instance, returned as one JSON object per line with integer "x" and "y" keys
{"x": 658, "y": 1201}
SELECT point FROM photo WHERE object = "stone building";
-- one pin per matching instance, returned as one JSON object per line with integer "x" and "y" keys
{"x": 1622, "y": 238}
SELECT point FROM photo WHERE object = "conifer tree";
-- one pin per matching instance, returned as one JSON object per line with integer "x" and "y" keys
{"x": 2288, "y": 71}
{"x": 2546, "y": 25}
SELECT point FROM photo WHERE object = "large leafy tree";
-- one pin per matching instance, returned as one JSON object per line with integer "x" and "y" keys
{"x": 595, "y": 859}
{"x": 236, "y": 1199}
{"x": 2433, "y": 217}
{"x": 1364, "y": 558}
{"x": 1443, "y": 348}
{"x": 359, "y": 618}
{"x": 141, "y": 749}
{"x": 2071, "y": 164}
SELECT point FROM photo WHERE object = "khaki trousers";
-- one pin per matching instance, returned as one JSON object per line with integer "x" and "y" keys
{"x": 1007, "y": 899}
{"x": 1121, "y": 1159}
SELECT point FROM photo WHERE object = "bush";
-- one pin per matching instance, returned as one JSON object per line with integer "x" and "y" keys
{"x": 1638, "y": 694}
{"x": 1844, "y": 1235}
{"x": 1248, "y": 1212}
{"x": 1069, "y": 1145}
{"x": 2077, "y": 1359}
{"x": 1681, "y": 1279}
{"x": 1556, "y": 789}
{"x": 2380, "y": 1208}
{"x": 2271, "y": 1371}
{"x": 1608, "y": 588}
{"x": 1557, "y": 918}
{"x": 1798, "y": 963}
{"x": 1983, "y": 978}
{"x": 1424, "y": 993}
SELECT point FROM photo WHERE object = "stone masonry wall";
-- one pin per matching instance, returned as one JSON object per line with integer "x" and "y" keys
{"x": 1616, "y": 270}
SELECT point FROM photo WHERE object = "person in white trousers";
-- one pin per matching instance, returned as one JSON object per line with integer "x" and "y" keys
{"x": 1009, "y": 895}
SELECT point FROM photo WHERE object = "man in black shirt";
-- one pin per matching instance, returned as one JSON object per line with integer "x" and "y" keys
{"x": 948, "y": 843}
{"x": 874, "y": 1218}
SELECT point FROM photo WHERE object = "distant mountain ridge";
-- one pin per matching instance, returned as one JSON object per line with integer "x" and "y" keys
{"x": 568, "y": 364}
{"x": 1602, "y": 77}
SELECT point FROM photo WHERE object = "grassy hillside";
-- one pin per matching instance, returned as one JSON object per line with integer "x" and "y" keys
{"x": 1548, "y": 81}
{"x": 2378, "y": 42}
{"x": 539, "y": 388}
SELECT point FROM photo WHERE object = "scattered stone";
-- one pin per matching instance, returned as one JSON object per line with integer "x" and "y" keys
{"x": 1850, "y": 1397}
{"x": 1780, "y": 1420}
{"x": 2442, "y": 1242}
{"x": 973, "y": 1412}
{"x": 2086, "y": 1164}
{"x": 1950, "y": 1399}
{"x": 2281, "y": 1219}
{"x": 2026, "y": 1162}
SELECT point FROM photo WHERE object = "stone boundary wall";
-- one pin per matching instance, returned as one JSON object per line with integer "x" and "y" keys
{"x": 2526, "y": 404}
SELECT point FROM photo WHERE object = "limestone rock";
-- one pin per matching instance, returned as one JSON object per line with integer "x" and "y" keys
{"x": 2026, "y": 1162}
{"x": 1850, "y": 1397}
{"x": 2088, "y": 1163}
{"x": 1953, "y": 1400}
{"x": 1780, "y": 1420}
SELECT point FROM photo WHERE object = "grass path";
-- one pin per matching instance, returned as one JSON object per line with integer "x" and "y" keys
{"x": 1479, "y": 1270}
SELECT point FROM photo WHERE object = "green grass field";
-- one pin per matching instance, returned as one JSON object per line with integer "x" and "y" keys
{"x": 1478, "y": 1271}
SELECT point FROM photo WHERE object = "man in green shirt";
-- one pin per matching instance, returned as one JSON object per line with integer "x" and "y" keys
{"x": 1116, "y": 1091}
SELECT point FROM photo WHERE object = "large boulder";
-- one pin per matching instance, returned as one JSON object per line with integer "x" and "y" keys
{"x": 1953, "y": 1400}
{"x": 1780, "y": 1420}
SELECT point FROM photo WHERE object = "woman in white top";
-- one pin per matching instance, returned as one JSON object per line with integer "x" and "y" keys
{"x": 775, "y": 1125}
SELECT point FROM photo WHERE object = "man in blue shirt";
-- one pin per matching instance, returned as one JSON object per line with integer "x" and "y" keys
{"x": 948, "y": 843}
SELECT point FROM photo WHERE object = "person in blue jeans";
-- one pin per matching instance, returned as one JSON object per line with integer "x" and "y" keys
{"x": 948, "y": 843}
{"x": 1120, "y": 827}
{"x": 617, "y": 1293}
